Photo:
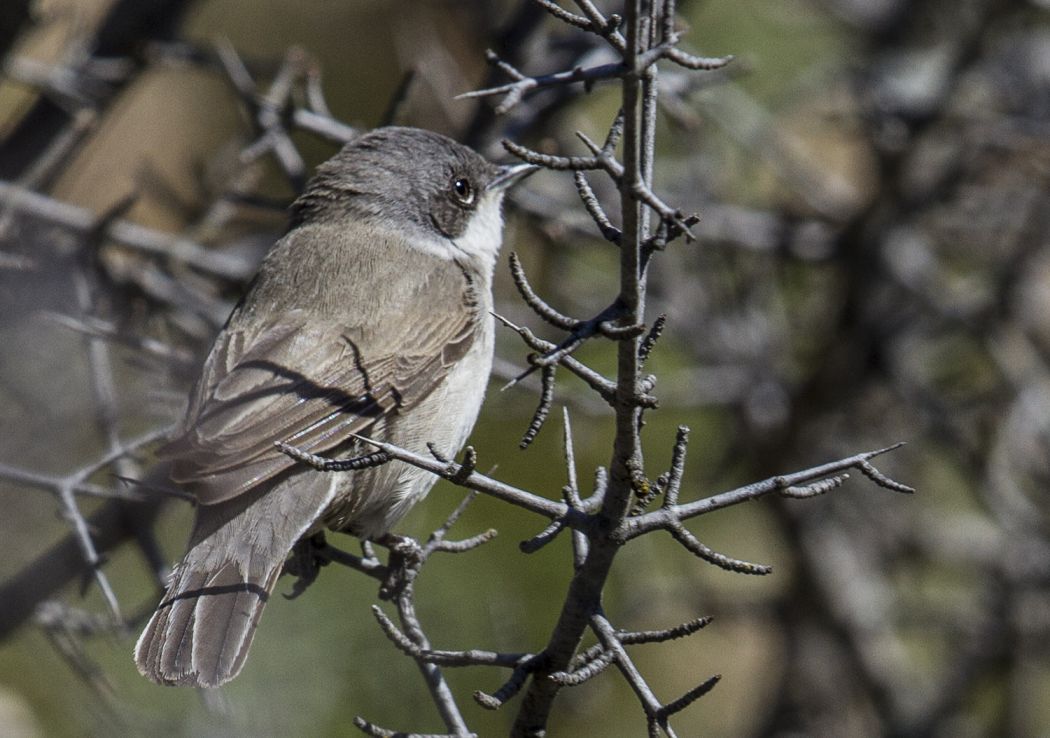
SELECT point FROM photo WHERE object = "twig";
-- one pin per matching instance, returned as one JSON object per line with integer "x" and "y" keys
{"x": 320, "y": 463}
{"x": 590, "y": 201}
{"x": 513, "y": 92}
{"x": 695, "y": 547}
{"x": 534, "y": 301}
{"x": 473, "y": 480}
{"x": 668, "y": 515}
{"x": 604, "y": 387}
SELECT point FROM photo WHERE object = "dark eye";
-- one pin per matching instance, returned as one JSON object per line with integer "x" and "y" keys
{"x": 463, "y": 190}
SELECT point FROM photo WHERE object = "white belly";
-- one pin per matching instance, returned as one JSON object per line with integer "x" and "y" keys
{"x": 374, "y": 500}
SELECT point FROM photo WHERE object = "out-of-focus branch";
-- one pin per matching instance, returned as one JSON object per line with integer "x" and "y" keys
{"x": 111, "y": 526}
{"x": 147, "y": 240}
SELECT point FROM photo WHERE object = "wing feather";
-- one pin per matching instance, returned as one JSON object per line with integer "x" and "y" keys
{"x": 314, "y": 380}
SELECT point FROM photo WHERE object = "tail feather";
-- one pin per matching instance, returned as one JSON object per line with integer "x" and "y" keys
{"x": 201, "y": 631}
{"x": 223, "y": 650}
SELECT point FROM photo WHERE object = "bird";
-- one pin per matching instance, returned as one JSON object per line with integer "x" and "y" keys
{"x": 370, "y": 317}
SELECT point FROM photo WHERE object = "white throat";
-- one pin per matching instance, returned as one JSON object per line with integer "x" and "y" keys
{"x": 483, "y": 237}
{"x": 479, "y": 244}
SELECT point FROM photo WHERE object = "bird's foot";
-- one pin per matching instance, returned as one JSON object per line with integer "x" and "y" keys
{"x": 403, "y": 547}
{"x": 305, "y": 563}
{"x": 406, "y": 556}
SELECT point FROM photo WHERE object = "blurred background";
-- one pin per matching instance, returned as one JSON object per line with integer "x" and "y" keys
{"x": 873, "y": 266}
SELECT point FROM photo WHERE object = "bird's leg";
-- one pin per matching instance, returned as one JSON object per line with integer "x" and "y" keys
{"x": 406, "y": 556}
{"x": 305, "y": 563}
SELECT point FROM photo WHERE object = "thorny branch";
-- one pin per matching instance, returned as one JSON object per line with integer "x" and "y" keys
{"x": 608, "y": 519}
{"x": 615, "y": 512}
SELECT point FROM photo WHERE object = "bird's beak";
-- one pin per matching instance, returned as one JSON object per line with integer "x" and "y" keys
{"x": 510, "y": 174}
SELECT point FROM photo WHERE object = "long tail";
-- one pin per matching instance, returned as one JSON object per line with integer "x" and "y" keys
{"x": 203, "y": 627}
{"x": 201, "y": 631}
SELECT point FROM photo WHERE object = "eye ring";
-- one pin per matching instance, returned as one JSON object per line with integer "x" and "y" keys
{"x": 462, "y": 190}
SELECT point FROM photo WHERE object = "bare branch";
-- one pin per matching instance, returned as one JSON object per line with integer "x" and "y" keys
{"x": 658, "y": 519}
{"x": 674, "y": 478}
{"x": 513, "y": 92}
{"x": 476, "y": 481}
{"x": 555, "y": 163}
{"x": 399, "y": 639}
{"x": 438, "y": 536}
{"x": 571, "y": 491}
{"x": 591, "y": 669}
{"x": 669, "y": 51}
{"x": 467, "y": 544}
{"x": 590, "y": 201}
{"x": 652, "y": 337}
{"x": 607, "y": 28}
{"x": 881, "y": 479}
{"x": 607, "y": 637}
{"x": 604, "y": 387}
{"x": 688, "y": 698}
{"x": 512, "y": 686}
{"x": 320, "y": 463}
{"x": 534, "y": 301}
{"x": 541, "y": 539}
{"x": 665, "y": 211}
{"x": 705, "y": 63}
{"x": 695, "y": 547}
{"x": 660, "y": 636}
{"x": 474, "y": 657}
{"x": 814, "y": 489}
{"x": 92, "y": 326}
{"x": 367, "y": 564}
{"x": 564, "y": 15}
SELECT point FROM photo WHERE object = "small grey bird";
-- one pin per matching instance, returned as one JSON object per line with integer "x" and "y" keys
{"x": 371, "y": 317}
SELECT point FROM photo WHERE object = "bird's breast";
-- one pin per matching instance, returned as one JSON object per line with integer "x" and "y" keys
{"x": 373, "y": 500}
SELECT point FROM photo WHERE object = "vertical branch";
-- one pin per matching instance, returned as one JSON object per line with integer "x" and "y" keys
{"x": 647, "y": 154}
{"x": 626, "y": 464}
{"x": 627, "y": 454}
{"x": 585, "y": 591}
